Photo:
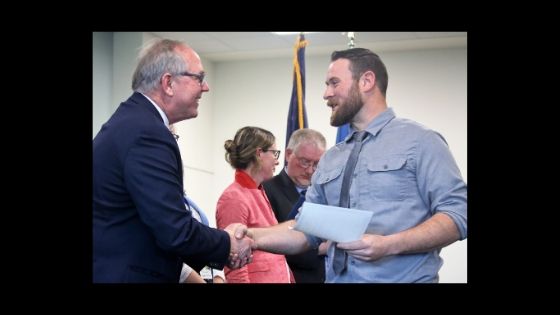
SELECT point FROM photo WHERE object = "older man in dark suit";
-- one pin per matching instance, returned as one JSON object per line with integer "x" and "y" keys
{"x": 305, "y": 148}
{"x": 142, "y": 231}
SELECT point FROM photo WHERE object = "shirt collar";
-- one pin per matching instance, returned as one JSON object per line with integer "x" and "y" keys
{"x": 375, "y": 126}
{"x": 161, "y": 113}
{"x": 245, "y": 180}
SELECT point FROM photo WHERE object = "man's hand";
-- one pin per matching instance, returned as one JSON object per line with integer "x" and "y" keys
{"x": 240, "y": 253}
{"x": 323, "y": 247}
{"x": 370, "y": 248}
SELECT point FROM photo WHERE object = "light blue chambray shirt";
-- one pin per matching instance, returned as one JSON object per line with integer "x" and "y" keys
{"x": 404, "y": 175}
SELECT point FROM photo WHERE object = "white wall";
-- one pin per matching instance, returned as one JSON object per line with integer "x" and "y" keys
{"x": 114, "y": 61}
{"x": 126, "y": 46}
{"x": 429, "y": 86}
{"x": 102, "y": 70}
{"x": 196, "y": 144}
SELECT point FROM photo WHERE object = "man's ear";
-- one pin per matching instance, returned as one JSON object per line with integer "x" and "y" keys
{"x": 288, "y": 153}
{"x": 367, "y": 81}
{"x": 167, "y": 83}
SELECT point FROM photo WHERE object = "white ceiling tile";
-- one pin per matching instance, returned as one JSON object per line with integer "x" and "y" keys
{"x": 440, "y": 34}
{"x": 239, "y": 45}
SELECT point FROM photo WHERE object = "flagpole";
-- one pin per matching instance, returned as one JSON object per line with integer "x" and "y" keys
{"x": 299, "y": 45}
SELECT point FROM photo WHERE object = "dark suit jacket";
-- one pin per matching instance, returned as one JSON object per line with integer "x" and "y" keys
{"x": 307, "y": 267}
{"x": 141, "y": 229}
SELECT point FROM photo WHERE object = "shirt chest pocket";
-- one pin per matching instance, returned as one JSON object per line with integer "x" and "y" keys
{"x": 386, "y": 178}
{"x": 330, "y": 181}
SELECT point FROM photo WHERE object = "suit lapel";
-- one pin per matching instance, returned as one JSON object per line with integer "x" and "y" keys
{"x": 290, "y": 188}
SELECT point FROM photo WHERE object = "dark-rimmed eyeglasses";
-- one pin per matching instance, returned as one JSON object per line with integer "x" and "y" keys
{"x": 198, "y": 76}
{"x": 275, "y": 152}
{"x": 305, "y": 163}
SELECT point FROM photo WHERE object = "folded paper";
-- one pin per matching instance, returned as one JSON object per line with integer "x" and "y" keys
{"x": 333, "y": 223}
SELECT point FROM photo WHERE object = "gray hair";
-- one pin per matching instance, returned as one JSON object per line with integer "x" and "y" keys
{"x": 306, "y": 135}
{"x": 155, "y": 59}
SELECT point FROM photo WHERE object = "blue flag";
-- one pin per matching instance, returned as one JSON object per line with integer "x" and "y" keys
{"x": 342, "y": 132}
{"x": 297, "y": 117}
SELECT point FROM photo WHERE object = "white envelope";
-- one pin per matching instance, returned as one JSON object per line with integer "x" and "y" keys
{"x": 333, "y": 223}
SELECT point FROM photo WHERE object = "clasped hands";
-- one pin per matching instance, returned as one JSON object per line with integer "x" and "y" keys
{"x": 240, "y": 252}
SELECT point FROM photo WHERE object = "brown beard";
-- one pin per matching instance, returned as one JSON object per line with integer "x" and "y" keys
{"x": 347, "y": 110}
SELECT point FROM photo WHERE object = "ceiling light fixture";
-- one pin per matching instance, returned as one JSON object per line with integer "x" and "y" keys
{"x": 291, "y": 33}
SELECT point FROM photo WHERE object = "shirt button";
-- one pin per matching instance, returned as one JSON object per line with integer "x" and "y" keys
{"x": 385, "y": 166}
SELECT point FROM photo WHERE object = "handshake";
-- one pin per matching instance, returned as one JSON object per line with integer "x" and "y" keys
{"x": 240, "y": 252}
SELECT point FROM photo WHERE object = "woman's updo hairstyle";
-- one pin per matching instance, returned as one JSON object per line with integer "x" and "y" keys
{"x": 241, "y": 151}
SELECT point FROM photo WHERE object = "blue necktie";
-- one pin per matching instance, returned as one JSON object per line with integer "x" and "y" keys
{"x": 296, "y": 207}
{"x": 340, "y": 258}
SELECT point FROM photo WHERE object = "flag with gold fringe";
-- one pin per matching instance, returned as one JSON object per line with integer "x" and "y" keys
{"x": 297, "y": 116}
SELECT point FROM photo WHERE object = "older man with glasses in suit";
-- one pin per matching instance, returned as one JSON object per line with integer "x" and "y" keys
{"x": 305, "y": 148}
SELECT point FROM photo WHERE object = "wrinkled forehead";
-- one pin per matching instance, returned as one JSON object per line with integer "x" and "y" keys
{"x": 309, "y": 150}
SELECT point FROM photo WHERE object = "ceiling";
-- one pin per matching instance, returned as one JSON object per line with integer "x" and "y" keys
{"x": 223, "y": 46}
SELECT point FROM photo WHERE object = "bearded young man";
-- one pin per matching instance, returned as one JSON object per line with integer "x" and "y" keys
{"x": 396, "y": 168}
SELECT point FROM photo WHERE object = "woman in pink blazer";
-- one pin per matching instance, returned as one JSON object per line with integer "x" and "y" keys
{"x": 253, "y": 155}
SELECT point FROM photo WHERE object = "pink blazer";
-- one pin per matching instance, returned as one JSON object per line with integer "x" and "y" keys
{"x": 244, "y": 202}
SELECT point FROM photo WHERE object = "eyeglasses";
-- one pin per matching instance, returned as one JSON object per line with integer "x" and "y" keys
{"x": 305, "y": 163}
{"x": 198, "y": 76}
{"x": 275, "y": 152}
